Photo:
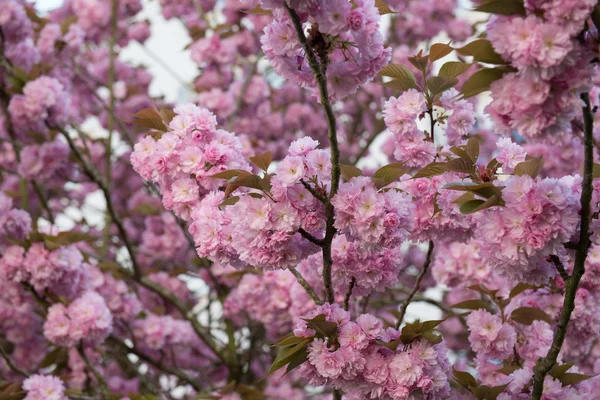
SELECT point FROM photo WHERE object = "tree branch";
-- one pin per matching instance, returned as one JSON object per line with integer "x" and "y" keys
{"x": 319, "y": 70}
{"x": 560, "y": 267}
{"x": 309, "y": 289}
{"x": 349, "y": 293}
{"x": 172, "y": 371}
{"x": 544, "y": 365}
{"x": 11, "y": 365}
{"x": 417, "y": 285}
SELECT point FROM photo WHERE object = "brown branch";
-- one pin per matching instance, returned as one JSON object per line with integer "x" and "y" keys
{"x": 349, "y": 293}
{"x": 10, "y": 364}
{"x": 417, "y": 285}
{"x": 310, "y": 238}
{"x": 319, "y": 70}
{"x": 172, "y": 371}
{"x": 304, "y": 283}
{"x": 560, "y": 267}
{"x": 93, "y": 174}
{"x": 544, "y": 365}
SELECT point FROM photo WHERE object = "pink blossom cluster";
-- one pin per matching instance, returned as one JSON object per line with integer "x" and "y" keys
{"x": 62, "y": 271}
{"x": 510, "y": 154}
{"x": 351, "y": 36}
{"x": 356, "y": 362}
{"x": 40, "y": 162}
{"x": 44, "y": 101}
{"x": 87, "y": 318}
{"x": 415, "y": 147}
{"x": 120, "y": 298}
{"x": 400, "y": 115}
{"x": 489, "y": 336}
{"x": 372, "y": 217}
{"x": 172, "y": 340}
{"x": 429, "y": 195}
{"x": 183, "y": 160}
{"x": 542, "y": 97}
{"x": 462, "y": 266}
{"x": 417, "y": 21}
{"x": 539, "y": 216}
{"x": 373, "y": 268}
{"x": 44, "y": 387}
{"x": 15, "y": 223}
{"x": 273, "y": 298}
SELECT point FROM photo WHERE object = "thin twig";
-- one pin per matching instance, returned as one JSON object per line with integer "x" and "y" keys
{"x": 349, "y": 293}
{"x": 544, "y": 365}
{"x": 560, "y": 267}
{"x": 313, "y": 191}
{"x": 11, "y": 365}
{"x": 309, "y": 289}
{"x": 417, "y": 285}
{"x": 172, "y": 371}
{"x": 95, "y": 372}
{"x": 310, "y": 238}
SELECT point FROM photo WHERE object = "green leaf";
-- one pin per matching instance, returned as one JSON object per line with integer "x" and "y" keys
{"x": 462, "y": 153}
{"x": 433, "y": 169}
{"x": 526, "y": 315}
{"x": 285, "y": 355}
{"x": 417, "y": 330}
{"x": 398, "y": 71}
{"x": 559, "y": 370}
{"x": 468, "y": 196}
{"x": 454, "y": 68}
{"x": 419, "y": 61}
{"x": 481, "y": 80}
{"x": 263, "y": 160}
{"x": 475, "y": 304}
{"x": 388, "y": 174}
{"x": 65, "y": 238}
{"x": 146, "y": 209}
{"x": 296, "y": 360}
{"x": 493, "y": 165}
{"x": 231, "y": 173}
{"x": 288, "y": 340}
{"x": 472, "y": 149}
{"x": 244, "y": 180}
{"x": 570, "y": 378}
{"x": 401, "y": 84}
{"x": 507, "y": 369}
{"x": 485, "y": 189}
{"x": 230, "y": 201}
{"x": 439, "y": 50}
{"x": 596, "y": 171}
{"x": 520, "y": 288}
{"x": 439, "y": 84}
{"x": 484, "y": 392}
{"x": 471, "y": 206}
{"x": 531, "y": 167}
{"x": 481, "y": 50}
{"x": 258, "y": 10}
{"x": 149, "y": 118}
{"x": 58, "y": 356}
{"x": 350, "y": 171}
{"x": 322, "y": 327}
{"x": 460, "y": 165}
{"x": 502, "y": 7}
{"x": 383, "y": 8}
{"x": 465, "y": 379}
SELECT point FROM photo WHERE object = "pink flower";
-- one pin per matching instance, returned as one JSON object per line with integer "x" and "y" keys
{"x": 184, "y": 190}
{"x": 44, "y": 387}
{"x": 404, "y": 370}
{"x": 290, "y": 170}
